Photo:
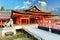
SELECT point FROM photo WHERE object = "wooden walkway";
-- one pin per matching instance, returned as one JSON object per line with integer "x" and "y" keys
{"x": 41, "y": 34}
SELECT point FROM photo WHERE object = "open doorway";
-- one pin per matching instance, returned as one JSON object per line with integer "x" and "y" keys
{"x": 24, "y": 21}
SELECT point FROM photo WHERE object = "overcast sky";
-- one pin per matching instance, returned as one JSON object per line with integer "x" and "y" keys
{"x": 14, "y": 4}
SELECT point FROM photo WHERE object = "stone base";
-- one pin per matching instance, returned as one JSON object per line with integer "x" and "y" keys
{"x": 8, "y": 32}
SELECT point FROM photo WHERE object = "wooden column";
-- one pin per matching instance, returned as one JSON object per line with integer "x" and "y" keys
{"x": 1, "y": 23}
{"x": 26, "y": 21}
{"x": 20, "y": 21}
{"x": 43, "y": 22}
{"x": 29, "y": 21}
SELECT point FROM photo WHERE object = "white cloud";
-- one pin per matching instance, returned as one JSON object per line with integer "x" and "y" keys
{"x": 27, "y": 2}
{"x": 38, "y": 1}
{"x": 42, "y": 3}
{"x": 17, "y": 7}
{"x": 23, "y": 7}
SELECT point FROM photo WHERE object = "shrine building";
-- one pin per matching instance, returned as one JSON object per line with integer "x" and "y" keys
{"x": 32, "y": 15}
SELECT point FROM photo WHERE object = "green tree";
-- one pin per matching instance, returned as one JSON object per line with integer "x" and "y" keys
{"x": 7, "y": 9}
{"x": 2, "y": 8}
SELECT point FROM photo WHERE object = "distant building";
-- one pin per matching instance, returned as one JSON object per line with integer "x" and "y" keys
{"x": 4, "y": 17}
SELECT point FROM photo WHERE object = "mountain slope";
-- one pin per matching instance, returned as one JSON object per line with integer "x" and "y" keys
{"x": 56, "y": 11}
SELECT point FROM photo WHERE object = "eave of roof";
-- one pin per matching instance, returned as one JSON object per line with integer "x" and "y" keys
{"x": 30, "y": 13}
{"x": 22, "y": 12}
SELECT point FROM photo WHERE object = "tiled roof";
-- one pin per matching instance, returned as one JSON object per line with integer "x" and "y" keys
{"x": 33, "y": 9}
{"x": 5, "y": 14}
{"x": 21, "y": 11}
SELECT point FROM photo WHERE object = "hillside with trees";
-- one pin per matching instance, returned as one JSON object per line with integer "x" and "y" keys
{"x": 3, "y": 9}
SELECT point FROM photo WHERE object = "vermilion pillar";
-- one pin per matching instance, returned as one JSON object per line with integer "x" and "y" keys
{"x": 28, "y": 21}
{"x": 43, "y": 22}
{"x": 1, "y": 23}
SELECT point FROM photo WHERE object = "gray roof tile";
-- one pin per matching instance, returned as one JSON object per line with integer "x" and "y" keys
{"x": 5, "y": 14}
